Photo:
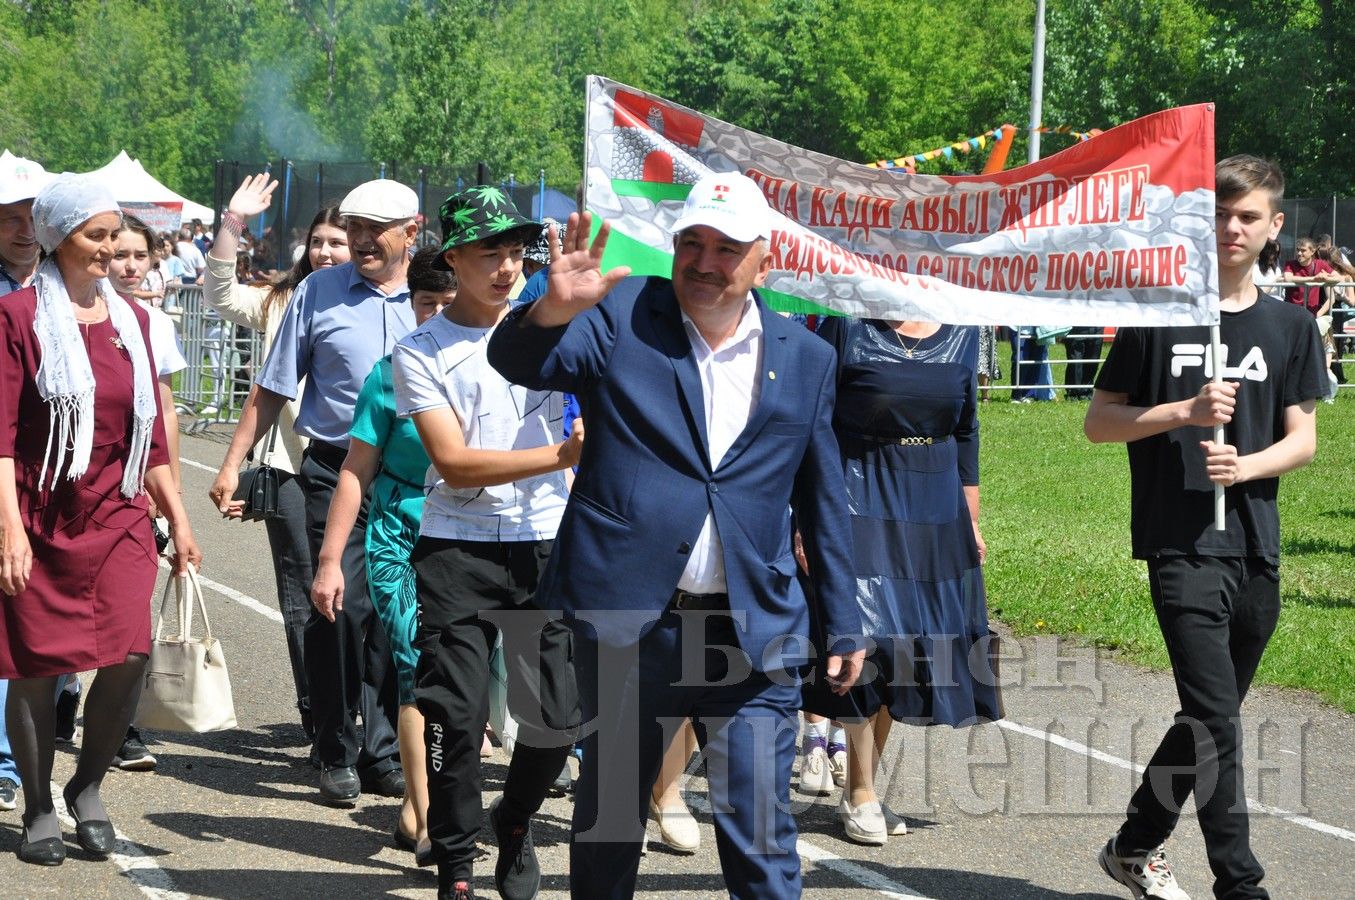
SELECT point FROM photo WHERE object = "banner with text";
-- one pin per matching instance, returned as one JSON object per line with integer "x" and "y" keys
{"x": 1117, "y": 230}
{"x": 161, "y": 217}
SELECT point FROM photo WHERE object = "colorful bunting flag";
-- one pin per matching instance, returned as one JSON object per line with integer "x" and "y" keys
{"x": 978, "y": 142}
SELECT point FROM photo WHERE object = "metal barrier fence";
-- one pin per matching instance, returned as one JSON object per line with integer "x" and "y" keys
{"x": 1026, "y": 373}
{"x": 221, "y": 360}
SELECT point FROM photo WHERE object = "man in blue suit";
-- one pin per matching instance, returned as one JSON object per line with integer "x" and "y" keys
{"x": 708, "y": 422}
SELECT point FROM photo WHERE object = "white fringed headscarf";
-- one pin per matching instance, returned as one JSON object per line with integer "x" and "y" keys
{"x": 65, "y": 379}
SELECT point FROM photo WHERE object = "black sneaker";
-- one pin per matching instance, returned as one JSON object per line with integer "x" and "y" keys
{"x": 67, "y": 704}
{"x": 517, "y": 874}
{"x": 133, "y": 755}
{"x": 9, "y": 792}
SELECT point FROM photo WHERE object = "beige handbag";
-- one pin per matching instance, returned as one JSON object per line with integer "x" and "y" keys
{"x": 187, "y": 687}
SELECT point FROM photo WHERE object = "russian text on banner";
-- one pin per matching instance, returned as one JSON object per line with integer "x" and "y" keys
{"x": 1116, "y": 230}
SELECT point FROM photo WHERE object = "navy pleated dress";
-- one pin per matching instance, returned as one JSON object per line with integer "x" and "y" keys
{"x": 907, "y": 424}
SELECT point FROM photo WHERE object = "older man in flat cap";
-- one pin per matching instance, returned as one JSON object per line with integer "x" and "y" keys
{"x": 340, "y": 322}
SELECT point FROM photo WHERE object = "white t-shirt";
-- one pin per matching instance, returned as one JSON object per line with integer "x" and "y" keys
{"x": 165, "y": 348}
{"x": 192, "y": 257}
{"x": 441, "y": 364}
{"x": 1257, "y": 277}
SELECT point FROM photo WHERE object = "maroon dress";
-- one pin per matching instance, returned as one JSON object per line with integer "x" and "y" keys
{"x": 87, "y": 604}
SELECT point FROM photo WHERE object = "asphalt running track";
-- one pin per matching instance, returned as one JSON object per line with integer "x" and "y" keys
{"x": 1015, "y": 810}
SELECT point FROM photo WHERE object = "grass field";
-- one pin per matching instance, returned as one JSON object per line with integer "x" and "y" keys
{"x": 1056, "y": 521}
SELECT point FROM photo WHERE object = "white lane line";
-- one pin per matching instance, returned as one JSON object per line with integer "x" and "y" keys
{"x": 825, "y": 859}
{"x": 138, "y": 865}
{"x": 244, "y": 600}
{"x": 1101, "y": 756}
{"x": 185, "y": 461}
{"x": 856, "y": 872}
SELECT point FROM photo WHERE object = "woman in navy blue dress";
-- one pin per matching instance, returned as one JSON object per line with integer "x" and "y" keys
{"x": 907, "y": 424}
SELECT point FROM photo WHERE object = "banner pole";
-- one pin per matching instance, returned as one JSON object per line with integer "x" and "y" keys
{"x": 591, "y": 86}
{"x": 1036, "y": 84}
{"x": 1216, "y": 350}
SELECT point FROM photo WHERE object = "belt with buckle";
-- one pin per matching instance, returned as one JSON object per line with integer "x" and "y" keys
{"x": 686, "y": 600}
{"x": 910, "y": 441}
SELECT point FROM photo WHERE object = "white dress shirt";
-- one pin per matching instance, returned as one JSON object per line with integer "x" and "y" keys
{"x": 729, "y": 387}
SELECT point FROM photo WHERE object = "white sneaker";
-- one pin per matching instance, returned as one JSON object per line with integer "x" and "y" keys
{"x": 677, "y": 827}
{"x": 864, "y": 824}
{"x": 815, "y": 777}
{"x": 894, "y": 823}
{"x": 1145, "y": 876}
{"x": 837, "y": 765}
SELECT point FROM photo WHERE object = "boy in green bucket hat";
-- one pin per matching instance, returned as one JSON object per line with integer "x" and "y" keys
{"x": 496, "y": 493}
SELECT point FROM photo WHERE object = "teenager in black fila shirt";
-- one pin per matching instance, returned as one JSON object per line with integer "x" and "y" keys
{"x": 1216, "y": 593}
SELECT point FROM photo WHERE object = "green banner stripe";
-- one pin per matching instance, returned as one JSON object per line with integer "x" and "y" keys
{"x": 650, "y": 190}
{"x": 623, "y": 250}
{"x": 792, "y": 304}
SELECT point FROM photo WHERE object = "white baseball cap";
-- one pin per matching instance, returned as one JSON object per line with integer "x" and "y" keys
{"x": 382, "y": 200}
{"x": 730, "y": 203}
{"x": 21, "y": 179}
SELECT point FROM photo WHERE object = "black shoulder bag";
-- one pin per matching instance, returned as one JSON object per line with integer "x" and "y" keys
{"x": 259, "y": 485}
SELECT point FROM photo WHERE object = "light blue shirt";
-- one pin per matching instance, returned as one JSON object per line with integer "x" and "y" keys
{"x": 175, "y": 269}
{"x": 334, "y": 331}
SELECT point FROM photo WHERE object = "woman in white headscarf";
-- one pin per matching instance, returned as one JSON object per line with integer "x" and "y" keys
{"x": 77, "y": 558}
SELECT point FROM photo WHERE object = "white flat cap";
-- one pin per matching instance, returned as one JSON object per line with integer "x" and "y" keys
{"x": 382, "y": 200}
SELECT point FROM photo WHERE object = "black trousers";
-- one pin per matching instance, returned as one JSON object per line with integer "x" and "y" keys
{"x": 1087, "y": 352}
{"x": 470, "y": 593}
{"x": 348, "y": 661}
{"x": 1216, "y": 615}
{"x": 289, "y": 542}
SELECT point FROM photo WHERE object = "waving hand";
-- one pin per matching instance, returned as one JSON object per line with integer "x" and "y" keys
{"x": 577, "y": 282}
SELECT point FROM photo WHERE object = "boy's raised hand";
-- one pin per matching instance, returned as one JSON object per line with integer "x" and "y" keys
{"x": 576, "y": 282}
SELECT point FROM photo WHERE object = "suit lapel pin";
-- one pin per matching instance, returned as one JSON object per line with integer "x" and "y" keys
{"x": 771, "y": 374}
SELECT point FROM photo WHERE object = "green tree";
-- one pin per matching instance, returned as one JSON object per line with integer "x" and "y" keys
{"x": 1272, "y": 68}
{"x": 860, "y": 80}
{"x": 503, "y": 82}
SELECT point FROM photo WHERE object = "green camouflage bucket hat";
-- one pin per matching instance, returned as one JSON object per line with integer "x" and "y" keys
{"x": 481, "y": 212}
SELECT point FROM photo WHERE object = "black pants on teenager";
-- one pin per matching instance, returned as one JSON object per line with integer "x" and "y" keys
{"x": 348, "y": 661}
{"x": 470, "y": 592}
{"x": 289, "y": 543}
{"x": 1216, "y": 614}
{"x": 1084, "y": 355}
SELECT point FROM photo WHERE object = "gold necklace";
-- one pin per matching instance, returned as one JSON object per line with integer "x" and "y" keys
{"x": 907, "y": 351}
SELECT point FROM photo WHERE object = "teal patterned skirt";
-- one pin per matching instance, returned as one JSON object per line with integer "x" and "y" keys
{"x": 392, "y": 528}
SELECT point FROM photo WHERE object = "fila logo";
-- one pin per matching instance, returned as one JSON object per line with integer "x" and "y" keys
{"x": 1185, "y": 356}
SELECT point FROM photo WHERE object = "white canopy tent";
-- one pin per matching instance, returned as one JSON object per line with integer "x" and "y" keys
{"x": 131, "y": 183}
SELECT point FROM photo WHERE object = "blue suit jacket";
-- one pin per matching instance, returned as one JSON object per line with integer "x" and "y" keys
{"x": 645, "y": 481}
